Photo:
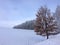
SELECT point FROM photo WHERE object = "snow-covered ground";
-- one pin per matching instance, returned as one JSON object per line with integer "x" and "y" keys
{"x": 10, "y": 36}
{"x": 52, "y": 41}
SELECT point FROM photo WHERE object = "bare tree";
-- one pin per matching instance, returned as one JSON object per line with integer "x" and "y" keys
{"x": 45, "y": 22}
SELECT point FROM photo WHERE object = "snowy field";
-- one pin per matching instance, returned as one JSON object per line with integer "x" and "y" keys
{"x": 55, "y": 40}
{"x": 10, "y": 36}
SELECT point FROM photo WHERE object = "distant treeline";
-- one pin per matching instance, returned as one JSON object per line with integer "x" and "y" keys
{"x": 26, "y": 25}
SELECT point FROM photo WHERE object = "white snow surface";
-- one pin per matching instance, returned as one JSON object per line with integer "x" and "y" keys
{"x": 52, "y": 41}
{"x": 10, "y": 36}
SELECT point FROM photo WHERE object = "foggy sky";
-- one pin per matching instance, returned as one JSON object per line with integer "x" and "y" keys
{"x": 14, "y": 12}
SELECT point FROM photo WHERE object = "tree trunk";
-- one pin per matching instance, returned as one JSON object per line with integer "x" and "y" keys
{"x": 46, "y": 31}
{"x": 47, "y": 34}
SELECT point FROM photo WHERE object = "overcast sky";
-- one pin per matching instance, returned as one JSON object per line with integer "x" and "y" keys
{"x": 14, "y": 12}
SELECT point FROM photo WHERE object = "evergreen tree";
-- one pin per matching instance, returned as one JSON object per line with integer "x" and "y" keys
{"x": 57, "y": 16}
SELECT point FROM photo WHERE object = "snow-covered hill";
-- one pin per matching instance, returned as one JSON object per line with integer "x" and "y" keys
{"x": 51, "y": 41}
